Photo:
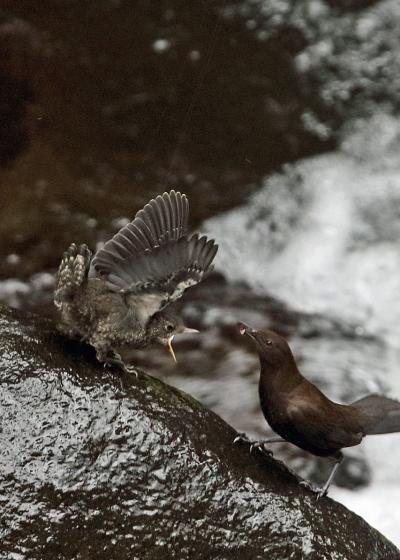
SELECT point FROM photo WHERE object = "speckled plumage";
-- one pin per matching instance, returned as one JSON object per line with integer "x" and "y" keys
{"x": 115, "y": 300}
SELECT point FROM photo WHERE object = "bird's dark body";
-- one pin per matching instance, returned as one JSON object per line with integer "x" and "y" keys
{"x": 116, "y": 298}
{"x": 301, "y": 414}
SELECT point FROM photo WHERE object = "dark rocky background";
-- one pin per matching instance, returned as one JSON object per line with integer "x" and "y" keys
{"x": 105, "y": 104}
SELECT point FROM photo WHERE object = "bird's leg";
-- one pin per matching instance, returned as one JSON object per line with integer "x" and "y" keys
{"x": 116, "y": 360}
{"x": 111, "y": 358}
{"x": 324, "y": 490}
{"x": 258, "y": 444}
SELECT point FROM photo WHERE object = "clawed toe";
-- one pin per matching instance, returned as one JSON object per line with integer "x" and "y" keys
{"x": 320, "y": 492}
{"x": 254, "y": 445}
{"x": 241, "y": 438}
{"x": 259, "y": 446}
{"x": 131, "y": 370}
{"x": 116, "y": 361}
{"x": 309, "y": 486}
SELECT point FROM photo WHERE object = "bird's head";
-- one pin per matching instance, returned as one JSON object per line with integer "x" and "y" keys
{"x": 164, "y": 326}
{"x": 272, "y": 348}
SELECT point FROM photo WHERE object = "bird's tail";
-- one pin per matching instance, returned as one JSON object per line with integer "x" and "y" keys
{"x": 379, "y": 415}
{"x": 72, "y": 272}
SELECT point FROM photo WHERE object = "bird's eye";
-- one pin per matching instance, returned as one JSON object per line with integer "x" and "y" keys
{"x": 269, "y": 342}
{"x": 170, "y": 327}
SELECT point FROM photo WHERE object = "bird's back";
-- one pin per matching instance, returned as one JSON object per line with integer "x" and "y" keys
{"x": 304, "y": 416}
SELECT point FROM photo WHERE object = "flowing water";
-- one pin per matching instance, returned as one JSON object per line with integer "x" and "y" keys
{"x": 323, "y": 237}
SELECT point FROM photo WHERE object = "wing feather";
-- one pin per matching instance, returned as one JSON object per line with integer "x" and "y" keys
{"x": 153, "y": 255}
{"x": 167, "y": 210}
{"x": 209, "y": 254}
{"x": 171, "y": 268}
{"x": 174, "y": 205}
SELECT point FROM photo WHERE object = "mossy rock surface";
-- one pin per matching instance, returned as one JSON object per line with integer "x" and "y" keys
{"x": 98, "y": 466}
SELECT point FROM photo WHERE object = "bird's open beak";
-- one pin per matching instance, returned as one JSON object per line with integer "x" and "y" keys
{"x": 245, "y": 329}
{"x": 170, "y": 349}
{"x": 168, "y": 341}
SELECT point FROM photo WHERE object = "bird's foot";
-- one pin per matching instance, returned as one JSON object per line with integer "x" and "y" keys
{"x": 117, "y": 361}
{"x": 260, "y": 446}
{"x": 254, "y": 445}
{"x": 131, "y": 370}
{"x": 241, "y": 438}
{"x": 320, "y": 492}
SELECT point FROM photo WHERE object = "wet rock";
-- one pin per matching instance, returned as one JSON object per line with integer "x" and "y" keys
{"x": 93, "y": 465}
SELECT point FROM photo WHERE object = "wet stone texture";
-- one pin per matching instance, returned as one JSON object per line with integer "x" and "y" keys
{"x": 93, "y": 465}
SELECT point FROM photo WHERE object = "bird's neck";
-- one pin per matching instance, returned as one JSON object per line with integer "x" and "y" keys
{"x": 282, "y": 377}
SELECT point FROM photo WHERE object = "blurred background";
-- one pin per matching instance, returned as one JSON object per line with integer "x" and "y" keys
{"x": 279, "y": 120}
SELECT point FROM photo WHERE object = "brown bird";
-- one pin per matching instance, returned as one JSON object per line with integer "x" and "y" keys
{"x": 115, "y": 301}
{"x": 301, "y": 414}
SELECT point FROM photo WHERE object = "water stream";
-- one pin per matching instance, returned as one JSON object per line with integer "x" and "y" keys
{"x": 323, "y": 237}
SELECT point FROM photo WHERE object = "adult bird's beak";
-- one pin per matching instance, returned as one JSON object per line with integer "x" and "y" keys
{"x": 170, "y": 349}
{"x": 245, "y": 329}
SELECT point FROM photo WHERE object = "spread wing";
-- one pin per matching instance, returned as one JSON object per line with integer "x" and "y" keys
{"x": 152, "y": 259}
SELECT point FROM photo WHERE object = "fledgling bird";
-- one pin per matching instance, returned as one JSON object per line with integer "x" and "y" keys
{"x": 116, "y": 300}
{"x": 301, "y": 414}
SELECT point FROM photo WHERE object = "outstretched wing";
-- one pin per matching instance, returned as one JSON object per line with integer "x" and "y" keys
{"x": 162, "y": 220}
{"x": 152, "y": 258}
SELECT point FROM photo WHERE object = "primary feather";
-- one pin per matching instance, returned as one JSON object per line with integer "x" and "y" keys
{"x": 154, "y": 254}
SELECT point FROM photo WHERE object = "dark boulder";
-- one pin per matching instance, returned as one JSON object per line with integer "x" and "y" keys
{"x": 94, "y": 465}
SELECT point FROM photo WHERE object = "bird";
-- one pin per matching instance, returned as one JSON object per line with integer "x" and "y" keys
{"x": 115, "y": 299}
{"x": 301, "y": 414}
